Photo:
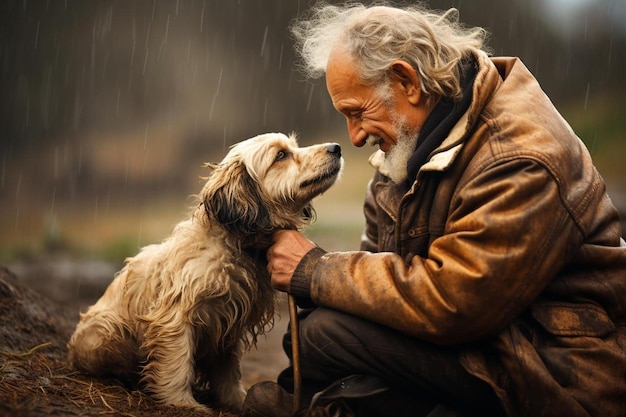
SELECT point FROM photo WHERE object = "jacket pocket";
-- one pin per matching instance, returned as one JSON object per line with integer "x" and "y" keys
{"x": 565, "y": 319}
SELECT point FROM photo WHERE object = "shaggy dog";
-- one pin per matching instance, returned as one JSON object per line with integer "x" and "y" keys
{"x": 180, "y": 314}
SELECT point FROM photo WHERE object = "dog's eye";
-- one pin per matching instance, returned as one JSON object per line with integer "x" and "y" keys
{"x": 280, "y": 155}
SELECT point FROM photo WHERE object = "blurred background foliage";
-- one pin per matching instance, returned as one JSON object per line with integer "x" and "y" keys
{"x": 110, "y": 107}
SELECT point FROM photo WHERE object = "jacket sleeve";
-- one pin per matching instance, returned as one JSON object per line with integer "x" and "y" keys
{"x": 508, "y": 234}
{"x": 300, "y": 285}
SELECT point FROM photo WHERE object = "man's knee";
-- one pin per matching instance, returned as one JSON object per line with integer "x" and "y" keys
{"x": 325, "y": 334}
{"x": 323, "y": 326}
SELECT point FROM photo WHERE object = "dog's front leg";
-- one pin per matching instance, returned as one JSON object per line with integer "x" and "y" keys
{"x": 169, "y": 371}
{"x": 225, "y": 377}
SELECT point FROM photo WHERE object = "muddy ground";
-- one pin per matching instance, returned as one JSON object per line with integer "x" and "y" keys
{"x": 35, "y": 379}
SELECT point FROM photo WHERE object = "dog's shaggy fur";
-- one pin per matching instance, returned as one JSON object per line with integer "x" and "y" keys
{"x": 181, "y": 313}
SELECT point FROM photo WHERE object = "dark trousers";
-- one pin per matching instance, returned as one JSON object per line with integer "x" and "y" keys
{"x": 421, "y": 375}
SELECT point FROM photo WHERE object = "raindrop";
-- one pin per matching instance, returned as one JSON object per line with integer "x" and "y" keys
{"x": 308, "y": 103}
{"x": 586, "y": 96}
{"x": 148, "y": 35}
{"x": 37, "y": 34}
{"x": 54, "y": 197}
{"x": 264, "y": 40}
{"x": 132, "y": 51}
{"x": 160, "y": 50}
{"x": 215, "y": 94}
{"x": 167, "y": 30}
{"x": 202, "y": 16}
{"x": 145, "y": 61}
{"x": 164, "y": 40}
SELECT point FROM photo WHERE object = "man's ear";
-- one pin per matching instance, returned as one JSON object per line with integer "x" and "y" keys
{"x": 404, "y": 74}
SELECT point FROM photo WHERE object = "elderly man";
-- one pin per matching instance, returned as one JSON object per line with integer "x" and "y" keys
{"x": 492, "y": 277}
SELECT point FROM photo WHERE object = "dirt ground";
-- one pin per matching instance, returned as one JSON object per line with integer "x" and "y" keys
{"x": 35, "y": 379}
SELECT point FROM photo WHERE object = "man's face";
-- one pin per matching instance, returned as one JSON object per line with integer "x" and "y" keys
{"x": 371, "y": 117}
{"x": 367, "y": 114}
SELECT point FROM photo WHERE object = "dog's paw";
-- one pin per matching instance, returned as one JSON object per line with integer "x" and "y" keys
{"x": 233, "y": 398}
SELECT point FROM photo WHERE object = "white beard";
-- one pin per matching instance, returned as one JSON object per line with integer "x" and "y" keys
{"x": 397, "y": 158}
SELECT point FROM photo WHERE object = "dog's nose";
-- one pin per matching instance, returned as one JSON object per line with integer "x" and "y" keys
{"x": 334, "y": 148}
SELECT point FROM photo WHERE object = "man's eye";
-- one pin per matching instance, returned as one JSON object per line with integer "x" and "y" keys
{"x": 356, "y": 115}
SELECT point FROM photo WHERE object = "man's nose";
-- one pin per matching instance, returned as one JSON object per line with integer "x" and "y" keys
{"x": 357, "y": 134}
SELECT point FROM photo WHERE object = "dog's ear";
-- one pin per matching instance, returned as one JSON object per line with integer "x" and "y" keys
{"x": 234, "y": 200}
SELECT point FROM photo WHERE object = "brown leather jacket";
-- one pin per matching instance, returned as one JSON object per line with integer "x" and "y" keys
{"x": 507, "y": 244}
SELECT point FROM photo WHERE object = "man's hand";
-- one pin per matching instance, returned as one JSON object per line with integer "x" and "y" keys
{"x": 284, "y": 256}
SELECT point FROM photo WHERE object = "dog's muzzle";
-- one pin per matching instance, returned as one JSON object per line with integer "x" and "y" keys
{"x": 332, "y": 170}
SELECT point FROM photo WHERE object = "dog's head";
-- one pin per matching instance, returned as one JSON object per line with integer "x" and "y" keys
{"x": 267, "y": 183}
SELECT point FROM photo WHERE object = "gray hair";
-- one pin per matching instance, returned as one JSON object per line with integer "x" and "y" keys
{"x": 433, "y": 44}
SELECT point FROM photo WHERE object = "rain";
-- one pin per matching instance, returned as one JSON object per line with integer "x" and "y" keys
{"x": 122, "y": 102}
{"x": 110, "y": 108}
